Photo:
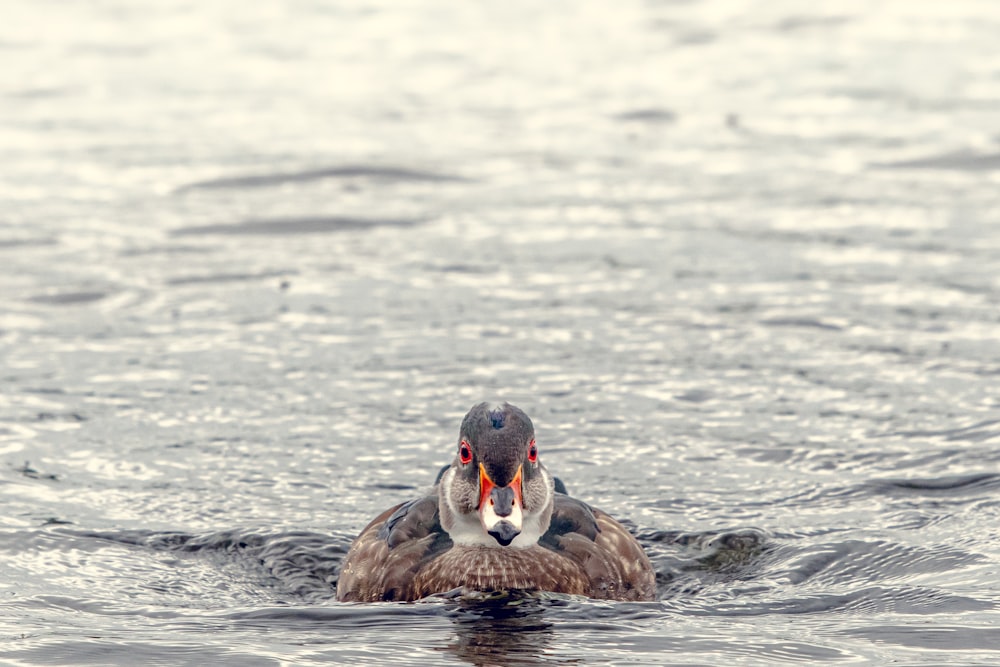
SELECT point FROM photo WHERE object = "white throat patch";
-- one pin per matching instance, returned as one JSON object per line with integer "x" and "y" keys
{"x": 468, "y": 528}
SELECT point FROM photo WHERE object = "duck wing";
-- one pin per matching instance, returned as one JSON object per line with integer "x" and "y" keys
{"x": 383, "y": 560}
{"x": 569, "y": 516}
{"x": 611, "y": 559}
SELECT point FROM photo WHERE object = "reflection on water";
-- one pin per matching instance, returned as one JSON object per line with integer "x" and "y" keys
{"x": 501, "y": 631}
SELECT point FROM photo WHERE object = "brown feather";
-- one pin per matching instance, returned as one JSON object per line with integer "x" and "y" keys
{"x": 585, "y": 552}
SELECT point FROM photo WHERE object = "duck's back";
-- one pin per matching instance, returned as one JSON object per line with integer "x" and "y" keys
{"x": 404, "y": 554}
{"x": 387, "y": 555}
{"x": 611, "y": 560}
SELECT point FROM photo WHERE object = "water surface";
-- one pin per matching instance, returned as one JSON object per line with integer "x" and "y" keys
{"x": 738, "y": 261}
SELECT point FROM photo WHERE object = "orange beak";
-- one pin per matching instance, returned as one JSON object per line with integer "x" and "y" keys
{"x": 486, "y": 486}
{"x": 500, "y": 507}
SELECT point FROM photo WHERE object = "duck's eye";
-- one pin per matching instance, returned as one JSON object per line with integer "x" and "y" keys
{"x": 532, "y": 451}
{"x": 465, "y": 452}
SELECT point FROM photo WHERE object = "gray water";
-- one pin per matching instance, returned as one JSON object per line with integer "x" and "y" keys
{"x": 739, "y": 261}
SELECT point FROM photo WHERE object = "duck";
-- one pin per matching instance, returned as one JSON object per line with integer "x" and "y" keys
{"x": 495, "y": 521}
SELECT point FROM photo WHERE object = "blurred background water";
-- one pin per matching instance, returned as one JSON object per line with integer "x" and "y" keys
{"x": 739, "y": 261}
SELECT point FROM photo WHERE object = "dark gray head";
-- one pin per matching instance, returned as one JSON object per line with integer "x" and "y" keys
{"x": 496, "y": 491}
{"x": 499, "y": 438}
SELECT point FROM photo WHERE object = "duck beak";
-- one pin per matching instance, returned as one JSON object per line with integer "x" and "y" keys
{"x": 500, "y": 507}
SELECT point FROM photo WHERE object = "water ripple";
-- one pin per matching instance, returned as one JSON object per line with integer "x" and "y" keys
{"x": 294, "y": 225}
{"x": 377, "y": 173}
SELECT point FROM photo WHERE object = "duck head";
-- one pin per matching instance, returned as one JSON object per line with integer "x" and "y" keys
{"x": 497, "y": 492}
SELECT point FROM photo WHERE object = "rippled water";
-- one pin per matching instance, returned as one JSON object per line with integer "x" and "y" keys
{"x": 739, "y": 261}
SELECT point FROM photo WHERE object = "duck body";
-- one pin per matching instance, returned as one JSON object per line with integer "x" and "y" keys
{"x": 494, "y": 523}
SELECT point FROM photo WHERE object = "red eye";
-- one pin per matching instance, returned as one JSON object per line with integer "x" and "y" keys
{"x": 465, "y": 452}
{"x": 532, "y": 451}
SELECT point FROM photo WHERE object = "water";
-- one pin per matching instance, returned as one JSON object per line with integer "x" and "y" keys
{"x": 739, "y": 261}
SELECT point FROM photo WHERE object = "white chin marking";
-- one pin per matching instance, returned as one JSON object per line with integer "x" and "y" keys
{"x": 490, "y": 518}
{"x": 468, "y": 530}
{"x": 471, "y": 529}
